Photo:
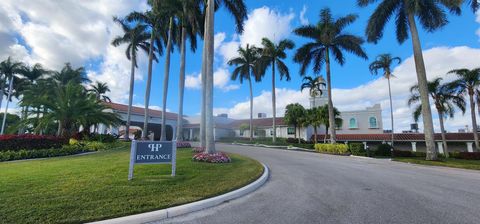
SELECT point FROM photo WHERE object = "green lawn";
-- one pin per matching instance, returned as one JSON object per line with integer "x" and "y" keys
{"x": 456, "y": 163}
{"x": 92, "y": 187}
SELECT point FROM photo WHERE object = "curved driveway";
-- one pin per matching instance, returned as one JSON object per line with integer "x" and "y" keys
{"x": 316, "y": 188}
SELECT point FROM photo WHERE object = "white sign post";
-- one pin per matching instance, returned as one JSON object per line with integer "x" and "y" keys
{"x": 152, "y": 152}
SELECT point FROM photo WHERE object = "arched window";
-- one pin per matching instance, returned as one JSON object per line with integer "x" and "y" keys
{"x": 373, "y": 122}
{"x": 353, "y": 123}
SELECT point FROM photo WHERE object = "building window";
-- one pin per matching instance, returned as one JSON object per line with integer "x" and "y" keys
{"x": 353, "y": 123}
{"x": 291, "y": 131}
{"x": 271, "y": 132}
{"x": 241, "y": 132}
{"x": 373, "y": 122}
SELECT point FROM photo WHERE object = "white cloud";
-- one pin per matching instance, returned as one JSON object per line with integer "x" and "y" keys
{"x": 221, "y": 79}
{"x": 438, "y": 62}
{"x": 56, "y": 32}
{"x": 303, "y": 19}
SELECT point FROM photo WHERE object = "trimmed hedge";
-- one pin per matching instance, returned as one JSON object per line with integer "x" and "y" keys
{"x": 357, "y": 149}
{"x": 383, "y": 150}
{"x": 399, "y": 153}
{"x": 42, "y": 153}
{"x": 465, "y": 155}
{"x": 339, "y": 149}
{"x": 30, "y": 142}
{"x": 105, "y": 138}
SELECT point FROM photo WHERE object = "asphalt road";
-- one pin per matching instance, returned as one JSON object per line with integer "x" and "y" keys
{"x": 316, "y": 188}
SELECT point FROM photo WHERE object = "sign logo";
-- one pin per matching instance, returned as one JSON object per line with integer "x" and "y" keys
{"x": 152, "y": 152}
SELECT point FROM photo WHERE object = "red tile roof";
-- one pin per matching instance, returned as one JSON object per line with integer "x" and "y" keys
{"x": 141, "y": 111}
{"x": 401, "y": 137}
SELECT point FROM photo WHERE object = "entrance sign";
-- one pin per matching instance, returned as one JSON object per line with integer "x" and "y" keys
{"x": 152, "y": 152}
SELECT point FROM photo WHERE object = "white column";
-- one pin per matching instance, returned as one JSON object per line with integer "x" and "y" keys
{"x": 190, "y": 135}
{"x": 214, "y": 134}
{"x": 440, "y": 147}
{"x": 414, "y": 146}
{"x": 365, "y": 145}
{"x": 470, "y": 146}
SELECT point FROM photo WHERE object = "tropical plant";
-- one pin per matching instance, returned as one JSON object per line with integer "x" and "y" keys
{"x": 247, "y": 67}
{"x": 432, "y": 16}
{"x": 325, "y": 119}
{"x": 295, "y": 115}
{"x": 314, "y": 86}
{"x": 313, "y": 118}
{"x": 100, "y": 89}
{"x": 8, "y": 69}
{"x": 158, "y": 37}
{"x": 272, "y": 55}
{"x": 329, "y": 39}
{"x": 445, "y": 99}
{"x": 238, "y": 9}
{"x": 467, "y": 83}
{"x": 384, "y": 62}
{"x": 136, "y": 38}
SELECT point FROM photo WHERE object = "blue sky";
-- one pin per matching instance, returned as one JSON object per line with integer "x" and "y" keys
{"x": 80, "y": 33}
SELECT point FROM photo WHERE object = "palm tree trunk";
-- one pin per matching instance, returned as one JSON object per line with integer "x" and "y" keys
{"x": 163, "y": 135}
{"x": 315, "y": 134}
{"x": 331, "y": 116}
{"x": 130, "y": 96}
{"x": 251, "y": 108}
{"x": 442, "y": 129}
{"x": 2, "y": 87}
{"x": 474, "y": 119}
{"x": 203, "y": 141}
{"x": 9, "y": 95}
{"x": 181, "y": 84}
{"x": 326, "y": 134}
{"x": 391, "y": 109}
{"x": 422, "y": 87}
{"x": 146, "y": 115}
{"x": 209, "y": 122}
{"x": 274, "y": 104}
{"x": 59, "y": 129}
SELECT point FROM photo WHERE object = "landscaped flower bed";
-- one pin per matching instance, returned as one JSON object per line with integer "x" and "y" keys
{"x": 219, "y": 157}
{"x": 183, "y": 145}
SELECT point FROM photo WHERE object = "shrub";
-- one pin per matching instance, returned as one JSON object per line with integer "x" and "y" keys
{"x": 219, "y": 157}
{"x": 105, "y": 138}
{"x": 383, "y": 150}
{"x": 95, "y": 146}
{"x": 42, "y": 153}
{"x": 295, "y": 140}
{"x": 357, "y": 149}
{"x": 332, "y": 148}
{"x": 466, "y": 155}
{"x": 399, "y": 153}
{"x": 30, "y": 142}
{"x": 183, "y": 145}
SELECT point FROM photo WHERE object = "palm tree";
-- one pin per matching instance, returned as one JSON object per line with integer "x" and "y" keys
{"x": 474, "y": 5}
{"x": 468, "y": 81}
{"x": 384, "y": 62}
{"x": 8, "y": 69}
{"x": 191, "y": 18}
{"x": 70, "y": 74}
{"x": 328, "y": 39}
{"x": 136, "y": 38}
{"x": 100, "y": 89}
{"x": 154, "y": 22}
{"x": 273, "y": 55}
{"x": 445, "y": 99}
{"x": 431, "y": 16}
{"x": 247, "y": 67}
{"x": 325, "y": 119}
{"x": 238, "y": 9}
{"x": 314, "y": 118}
{"x": 314, "y": 86}
{"x": 295, "y": 115}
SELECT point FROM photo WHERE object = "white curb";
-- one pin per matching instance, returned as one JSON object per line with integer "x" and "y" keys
{"x": 191, "y": 207}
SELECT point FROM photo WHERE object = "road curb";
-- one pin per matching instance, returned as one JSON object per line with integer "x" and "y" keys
{"x": 190, "y": 207}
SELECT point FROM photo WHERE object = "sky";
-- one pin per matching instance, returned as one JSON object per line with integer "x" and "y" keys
{"x": 56, "y": 32}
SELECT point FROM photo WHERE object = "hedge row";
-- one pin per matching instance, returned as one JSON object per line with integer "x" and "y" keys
{"x": 42, "y": 153}
{"x": 30, "y": 142}
{"x": 340, "y": 149}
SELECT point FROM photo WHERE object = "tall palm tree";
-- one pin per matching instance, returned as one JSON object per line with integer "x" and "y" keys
{"x": 155, "y": 23}
{"x": 8, "y": 68}
{"x": 100, "y": 89}
{"x": 136, "y": 38}
{"x": 239, "y": 11}
{"x": 384, "y": 62}
{"x": 467, "y": 83}
{"x": 445, "y": 99}
{"x": 329, "y": 39}
{"x": 247, "y": 67}
{"x": 273, "y": 56}
{"x": 474, "y": 5}
{"x": 191, "y": 18}
{"x": 70, "y": 74}
{"x": 432, "y": 16}
{"x": 314, "y": 86}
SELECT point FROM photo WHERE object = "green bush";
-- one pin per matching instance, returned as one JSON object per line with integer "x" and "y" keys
{"x": 42, "y": 153}
{"x": 96, "y": 146}
{"x": 332, "y": 148}
{"x": 357, "y": 149}
{"x": 383, "y": 150}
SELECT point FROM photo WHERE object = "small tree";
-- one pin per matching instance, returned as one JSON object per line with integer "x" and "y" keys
{"x": 294, "y": 115}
